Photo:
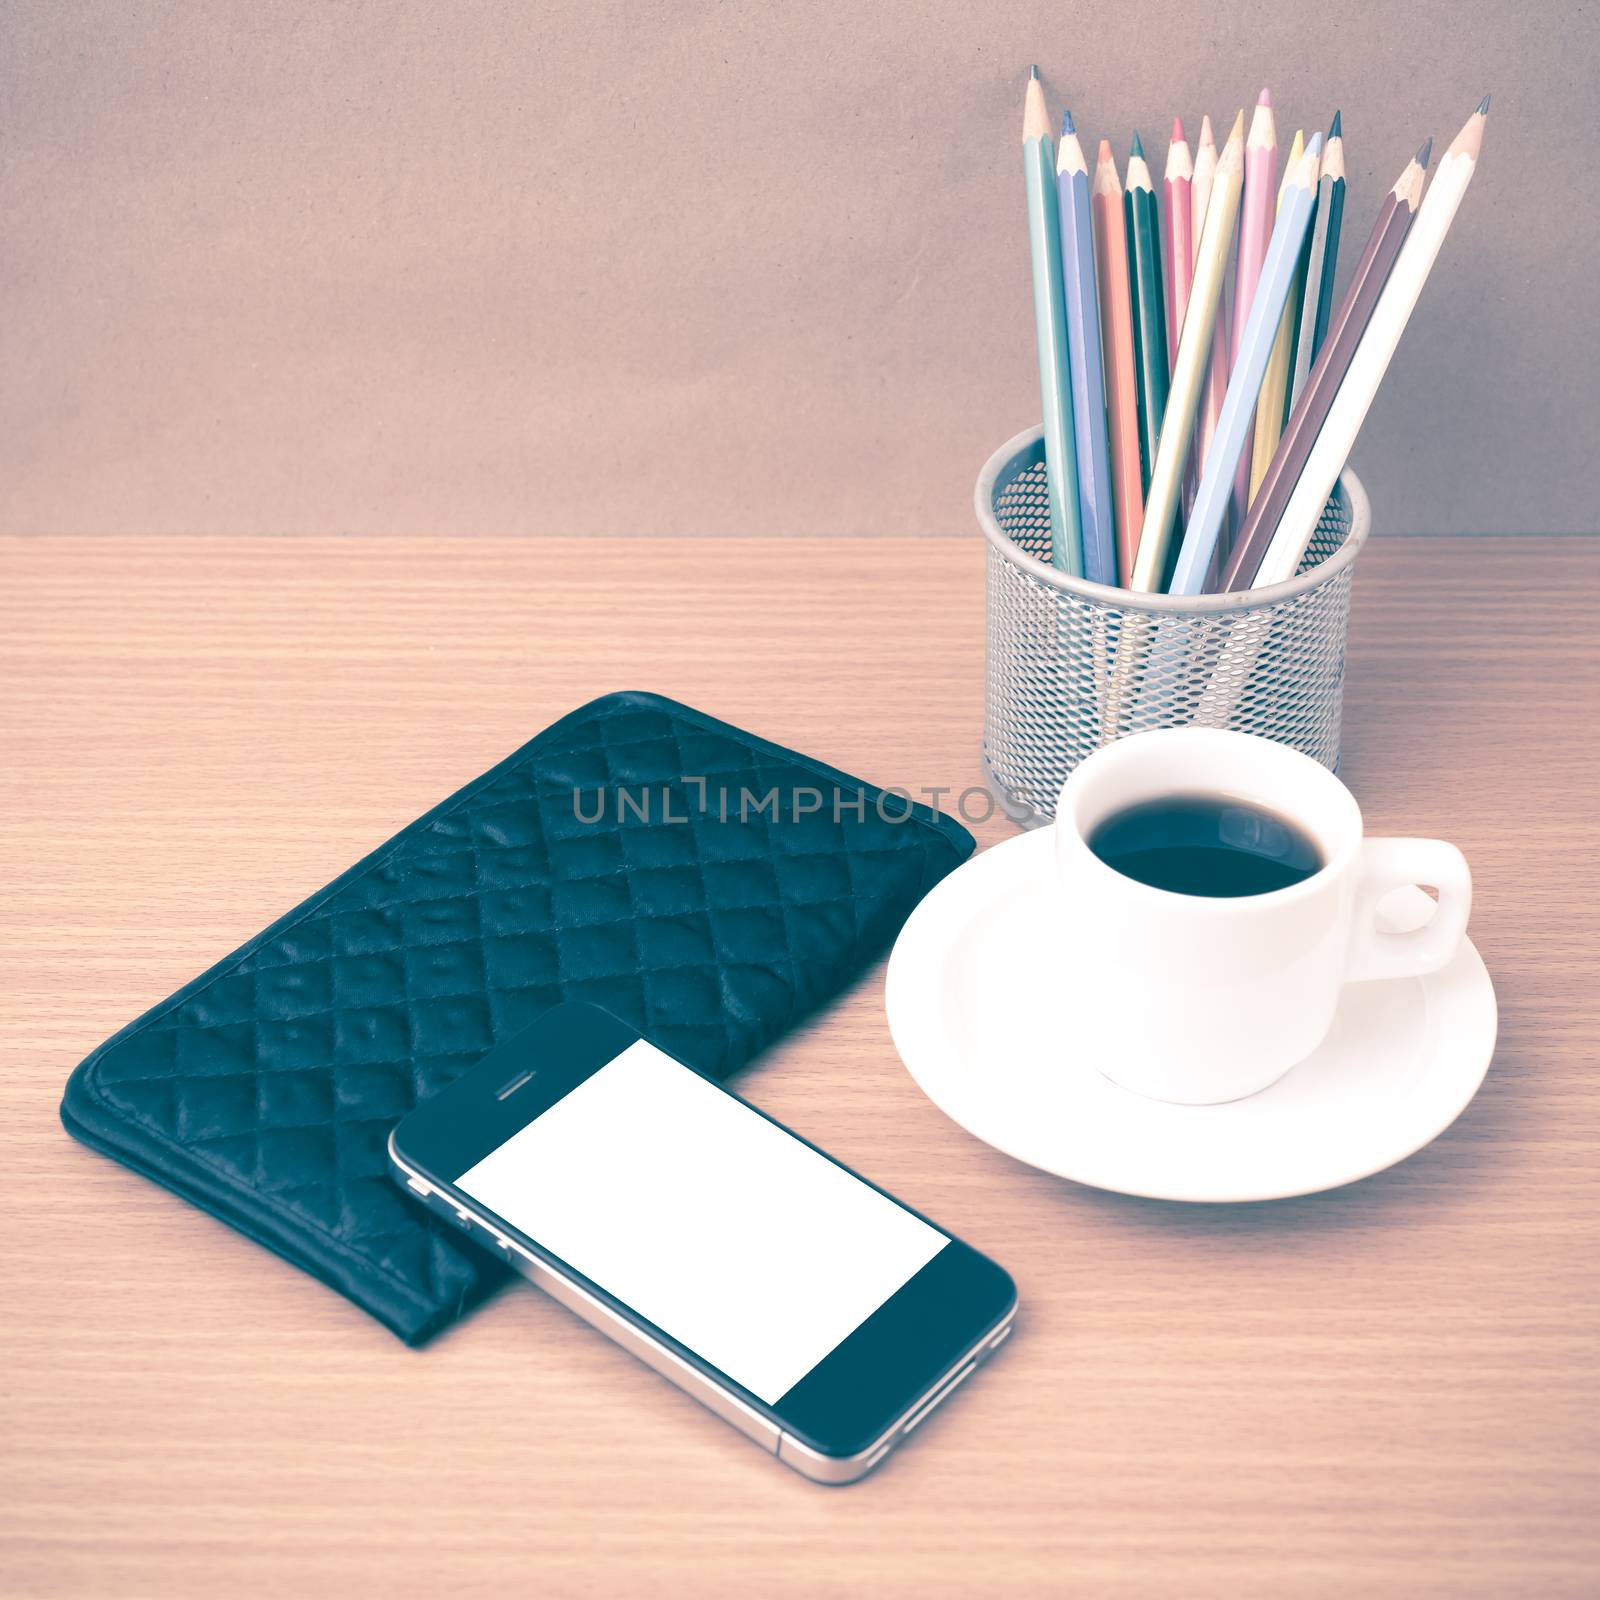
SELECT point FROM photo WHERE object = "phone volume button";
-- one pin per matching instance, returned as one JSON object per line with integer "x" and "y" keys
{"x": 943, "y": 1393}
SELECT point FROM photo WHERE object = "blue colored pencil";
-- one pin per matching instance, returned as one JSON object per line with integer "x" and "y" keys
{"x": 1050, "y": 326}
{"x": 1095, "y": 514}
{"x": 1322, "y": 260}
{"x": 1234, "y": 427}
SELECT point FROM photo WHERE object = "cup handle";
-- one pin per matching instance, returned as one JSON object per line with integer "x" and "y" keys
{"x": 1388, "y": 864}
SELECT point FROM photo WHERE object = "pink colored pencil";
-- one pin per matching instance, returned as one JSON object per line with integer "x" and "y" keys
{"x": 1177, "y": 203}
{"x": 1257, "y": 211}
{"x": 1216, "y": 384}
{"x": 1116, "y": 334}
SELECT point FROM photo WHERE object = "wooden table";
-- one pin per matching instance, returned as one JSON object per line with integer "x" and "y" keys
{"x": 1388, "y": 1389}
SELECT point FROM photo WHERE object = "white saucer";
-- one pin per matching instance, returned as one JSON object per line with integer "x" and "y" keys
{"x": 980, "y": 1005}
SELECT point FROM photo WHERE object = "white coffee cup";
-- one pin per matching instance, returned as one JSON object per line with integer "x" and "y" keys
{"x": 1199, "y": 999}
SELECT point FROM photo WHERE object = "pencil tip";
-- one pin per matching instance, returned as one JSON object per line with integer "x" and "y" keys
{"x": 1033, "y": 72}
{"x": 1313, "y": 148}
{"x": 1264, "y": 98}
{"x": 1138, "y": 145}
{"x": 1178, "y": 135}
{"x": 1336, "y": 129}
{"x": 1067, "y": 124}
{"x": 1483, "y": 106}
{"x": 1205, "y": 131}
{"x": 1104, "y": 152}
{"x": 1425, "y": 151}
{"x": 1237, "y": 131}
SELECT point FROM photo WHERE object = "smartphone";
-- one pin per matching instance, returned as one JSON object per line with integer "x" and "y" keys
{"x": 794, "y": 1299}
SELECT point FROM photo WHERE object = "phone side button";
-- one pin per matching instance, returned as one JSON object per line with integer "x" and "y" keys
{"x": 928, "y": 1405}
{"x": 417, "y": 1186}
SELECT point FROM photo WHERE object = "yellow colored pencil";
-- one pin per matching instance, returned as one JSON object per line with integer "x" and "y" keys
{"x": 1189, "y": 369}
{"x": 1275, "y": 384}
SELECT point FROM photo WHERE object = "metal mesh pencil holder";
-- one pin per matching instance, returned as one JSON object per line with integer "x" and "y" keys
{"x": 1073, "y": 665}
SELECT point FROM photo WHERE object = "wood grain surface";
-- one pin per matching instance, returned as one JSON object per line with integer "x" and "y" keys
{"x": 1389, "y": 1389}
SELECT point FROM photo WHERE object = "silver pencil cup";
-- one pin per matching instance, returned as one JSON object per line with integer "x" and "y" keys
{"x": 1073, "y": 665}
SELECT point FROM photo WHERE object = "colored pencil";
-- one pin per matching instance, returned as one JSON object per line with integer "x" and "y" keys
{"x": 1373, "y": 354}
{"x": 1096, "y": 515}
{"x": 1255, "y": 228}
{"x": 1344, "y": 332}
{"x": 1273, "y": 399}
{"x": 1244, "y": 384}
{"x": 1149, "y": 320}
{"x": 1116, "y": 333}
{"x": 1322, "y": 260}
{"x": 1182, "y": 242}
{"x": 1050, "y": 326}
{"x": 1216, "y": 384}
{"x": 1188, "y": 370}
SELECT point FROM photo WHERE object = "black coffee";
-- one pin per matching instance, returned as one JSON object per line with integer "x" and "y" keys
{"x": 1206, "y": 845}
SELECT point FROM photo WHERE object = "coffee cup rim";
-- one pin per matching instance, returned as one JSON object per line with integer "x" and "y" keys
{"x": 1072, "y": 831}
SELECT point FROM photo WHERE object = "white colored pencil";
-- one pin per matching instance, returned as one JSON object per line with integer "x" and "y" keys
{"x": 1244, "y": 383}
{"x": 1373, "y": 354}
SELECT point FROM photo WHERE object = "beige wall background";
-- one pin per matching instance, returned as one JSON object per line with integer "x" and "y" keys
{"x": 693, "y": 268}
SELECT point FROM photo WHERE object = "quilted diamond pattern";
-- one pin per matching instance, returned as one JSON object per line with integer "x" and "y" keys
{"x": 607, "y": 860}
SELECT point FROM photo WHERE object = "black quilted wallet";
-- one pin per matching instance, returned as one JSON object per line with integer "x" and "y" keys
{"x": 707, "y": 887}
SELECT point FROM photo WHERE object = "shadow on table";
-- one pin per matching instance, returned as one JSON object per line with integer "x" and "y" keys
{"x": 1449, "y": 1176}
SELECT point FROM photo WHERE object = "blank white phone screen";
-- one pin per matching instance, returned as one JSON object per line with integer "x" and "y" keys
{"x": 709, "y": 1221}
